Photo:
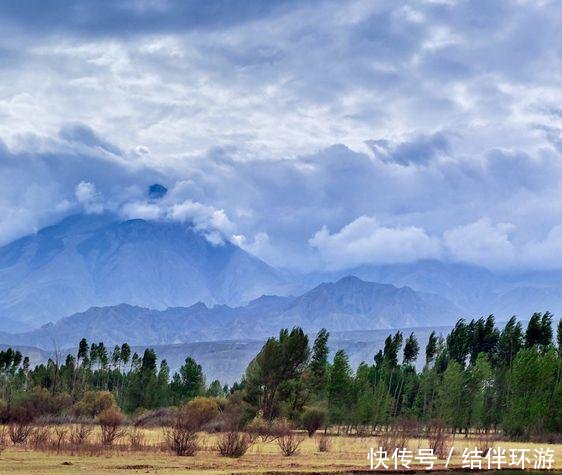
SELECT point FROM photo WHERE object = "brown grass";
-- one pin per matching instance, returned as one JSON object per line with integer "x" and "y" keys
{"x": 346, "y": 454}
{"x": 324, "y": 443}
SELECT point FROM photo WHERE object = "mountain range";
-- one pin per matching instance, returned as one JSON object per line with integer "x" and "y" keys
{"x": 348, "y": 304}
{"x": 475, "y": 290}
{"x": 103, "y": 272}
{"x": 90, "y": 259}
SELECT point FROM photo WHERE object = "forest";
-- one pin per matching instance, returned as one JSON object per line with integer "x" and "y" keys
{"x": 479, "y": 378}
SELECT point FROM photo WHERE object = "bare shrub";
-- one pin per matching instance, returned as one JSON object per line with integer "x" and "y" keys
{"x": 137, "y": 439}
{"x": 80, "y": 433}
{"x": 182, "y": 441}
{"x": 398, "y": 435}
{"x": 438, "y": 438}
{"x": 324, "y": 443}
{"x": 39, "y": 437}
{"x": 234, "y": 414}
{"x": 182, "y": 437}
{"x": 60, "y": 436}
{"x": 483, "y": 443}
{"x": 290, "y": 443}
{"x": 19, "y": 432}
{"x": 110, "y": 421}
{"x": 288, "y": 440}
{"x": 3, "y": 437}
{"x": 267, "y": 431}
{"x": 234, "y": 444}
{"x": 259, "y": 427}
{"x": 161, "y": 417}
{"x": 313, "y": 419}
{"x": 363, "y": 430}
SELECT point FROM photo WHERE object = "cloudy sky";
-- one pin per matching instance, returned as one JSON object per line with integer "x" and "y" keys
{"x": 316, "y": 134}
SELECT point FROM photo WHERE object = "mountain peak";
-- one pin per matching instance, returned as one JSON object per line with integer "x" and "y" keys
{"x": 102, "y": 260}
{"x": 350, "y": 279}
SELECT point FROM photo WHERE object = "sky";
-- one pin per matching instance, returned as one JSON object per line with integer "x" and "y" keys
{"x": 314, "y": 134}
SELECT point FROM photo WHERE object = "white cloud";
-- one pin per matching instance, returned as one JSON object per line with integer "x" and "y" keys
{"x": 481, "y": 243}
{"x": 88, "y": 197}
{"x": 365, "y": 241}
{"x": 141, "y": 210}
{"x": 545, "y": 253}
{"x": 495, "y": 246}
{"x": 260, "y": 246}
{"x": 213, "y": 223}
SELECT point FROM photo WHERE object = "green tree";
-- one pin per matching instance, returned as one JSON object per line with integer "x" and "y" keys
{"x": 411, "y": 349}
{"x": 216, "y": 390}
{"x": 339, "y": 388}
{"x": 188, "y": 382}
{"x": 392, "y": 346}
{"x": 483, "y": 337}
{"x": 431, "y": 348}
{"x": 477, "y": 392}
{"x": 534, "y": 331}
{"x": 82, "y": 350}
{"x": 125, "y": 353}
{"x": 451, "y": 394}
{"x": 532, "y": 381}
{"x": 274, "y": 376}
{"x": 142, "y": 391}
{"x": 318, "y": 368}
{"x": 539, "y": 331}
{"x": 509, "y": 342}
{"x": 459, "y": 342}
{"x": 383, "y": 403}
{"x": 559, "y": 338}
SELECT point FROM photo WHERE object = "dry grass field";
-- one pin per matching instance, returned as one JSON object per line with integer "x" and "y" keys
{"x": 346, "y": 454}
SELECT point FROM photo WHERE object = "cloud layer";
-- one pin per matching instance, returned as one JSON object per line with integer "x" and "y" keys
{"x": 314, "y": 134}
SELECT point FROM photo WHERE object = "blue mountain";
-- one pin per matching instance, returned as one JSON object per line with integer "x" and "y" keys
{"x": 350, "y": 304}
{"x": 97, "y": 260}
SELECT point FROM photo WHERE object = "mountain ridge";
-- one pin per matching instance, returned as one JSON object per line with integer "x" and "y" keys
{"x": 345, "y": 305}
{"x": 101, "y": 260}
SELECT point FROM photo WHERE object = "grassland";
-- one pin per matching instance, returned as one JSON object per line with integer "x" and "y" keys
{"x": 346, "y": 454}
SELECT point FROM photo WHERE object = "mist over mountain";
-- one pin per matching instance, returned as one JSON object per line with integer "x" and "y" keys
{"x": 100, "y": 259}
{"x": 91, "y": 264}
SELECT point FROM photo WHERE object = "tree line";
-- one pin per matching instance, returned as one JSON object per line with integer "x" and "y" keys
{"x": 479, "y": 377}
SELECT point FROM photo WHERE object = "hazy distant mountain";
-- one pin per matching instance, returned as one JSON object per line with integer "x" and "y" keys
{"x": 101, "y": 260}
{"x": 475, "y": 290}
{"x": 349, "y": 304}
{"x": 88, "y": 260}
